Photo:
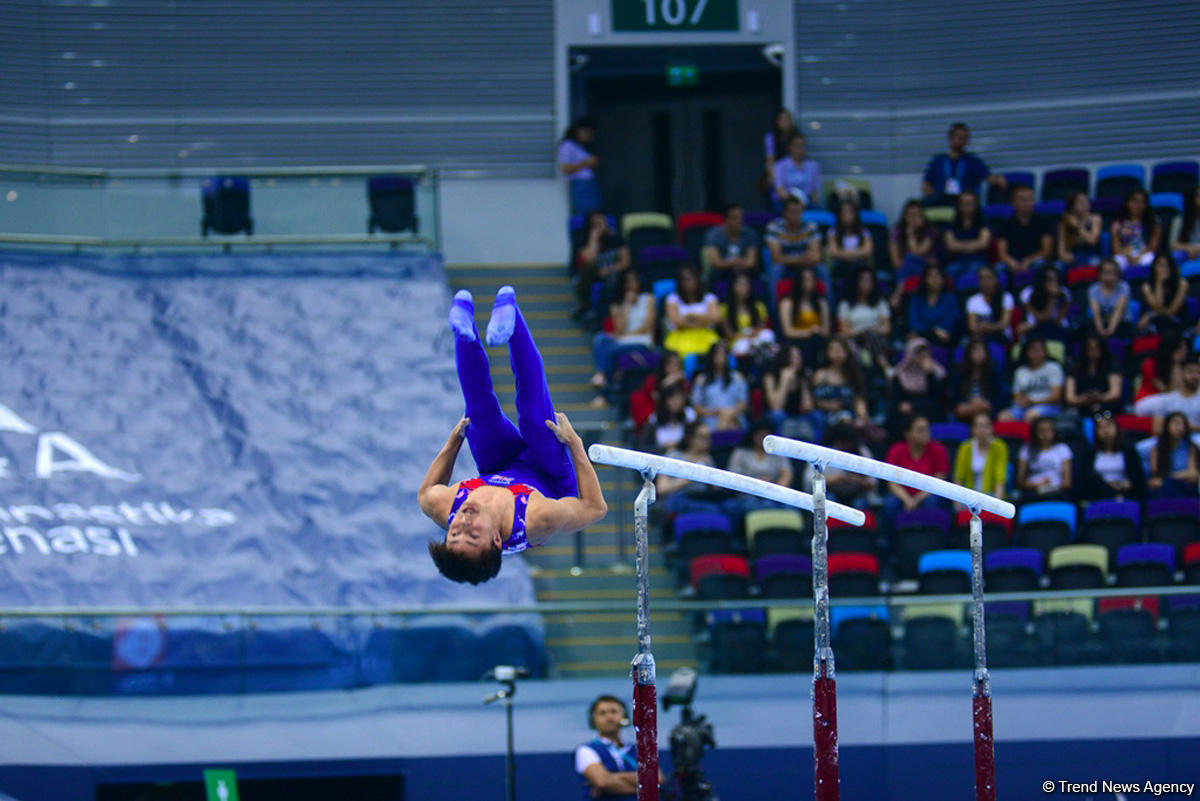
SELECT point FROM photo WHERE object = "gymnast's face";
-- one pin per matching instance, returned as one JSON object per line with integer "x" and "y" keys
{"x": 473, "y": 529}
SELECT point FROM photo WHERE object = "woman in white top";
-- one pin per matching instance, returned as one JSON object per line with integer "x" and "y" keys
{"x": 1079, "y": 232}
{"x": 867, "y": 321}
{"x": 989, "y": 311}
{"x": 851, "y": 246}
{"x": 1037, "y": 385}
{"x": 1044, "y": 468}
{"x": 633, "y": 321}
{"x": 692, "y": 316}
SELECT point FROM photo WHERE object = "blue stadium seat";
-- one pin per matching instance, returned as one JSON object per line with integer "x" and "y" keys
{"x": 944, "y": 572}
{"x": 1175, "y": 176}
{"x": 393, "y": 204}
{"x": 1059, "y": 184}
{"x": 225, "y": 200}
{"x": 1047, "y": 510}
{"x": 1118, "y": 180}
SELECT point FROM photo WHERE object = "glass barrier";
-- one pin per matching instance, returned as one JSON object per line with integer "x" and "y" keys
{"x": 396, "y": 205}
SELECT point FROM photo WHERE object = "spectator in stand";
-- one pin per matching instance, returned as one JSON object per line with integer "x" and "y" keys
{"x": 732, "y": 247}
{"x": 1174, "y": 460}
{"x": 681, "y": 495}
{"x": 989, "y": 311}
{"x": 969, "y": 240}
{"x": 692, "y": 316}
{"x": 1116, "y": 468}
{"x": 919, "y": 452}
{"x": 1044, "y": 464}
{"x": 980, "y": 390}
{"x": 1047, "y": 305}
{"x": 797, "y": 172}
{"x": 1108, "y": 301}
{"x": 720, "y": 393}
{"x": 1164, "y": 373}
{"x": 981, "y": 462}
{"x": 1186, "y": 399}
{"x": 671, "y": 416}
{"x": 866, "y": 319}
{"x": 1095, "y": 386}
{"x": 950, "y": 174}
{"x": 645, "y": 398}
{"x": 917, "y": 388}
{"x": 914, "y": 244}
{"x": 603, "y": 257}
{"x": 804, "y": 316}
{"x": 1165, "y": 297}
{"x": 1023, "y": 242}
{"x": 933, "y": 312}
{"x": 1079, "y": 232}
{"x": 750, "y": 459}
{"x": 1037, "y": 385}
{"x": 787, "y": 395}
{"x": 851, "y": 246}
{"x": 775, "y": 148}
{"x": 745, "y": 323}
{"x": 1136, "y": 234}
{"x": 795, "y": 245}
{"x": 576, "y": 161}
{"x": 633, "y": 324}
{"x": 1187, "y": 245}
{"x": 846, "y": 486}
{"x": 838, "y": 387}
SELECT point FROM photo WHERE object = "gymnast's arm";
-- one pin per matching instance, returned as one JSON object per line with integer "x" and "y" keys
{"x": 434, "y": 495}
{"x": 569, "y": 514}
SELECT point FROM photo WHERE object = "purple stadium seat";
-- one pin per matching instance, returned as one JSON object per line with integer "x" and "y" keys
{"x": 1001, "y": 558}
{"x": 1172, "y": 507}
{"x": 938, "y": 518}
{"x": 782, "y": 563}
{"x": 1146, "y": 552}
{"x": 949, "y": 432}
{"x": 1105, "y": 509}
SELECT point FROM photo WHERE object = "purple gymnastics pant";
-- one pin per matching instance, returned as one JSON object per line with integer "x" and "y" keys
{"x": 528, "y": 452}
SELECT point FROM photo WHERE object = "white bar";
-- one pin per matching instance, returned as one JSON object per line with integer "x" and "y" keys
{"x": 703, "y": 474}
{"x": 808, "y": 452}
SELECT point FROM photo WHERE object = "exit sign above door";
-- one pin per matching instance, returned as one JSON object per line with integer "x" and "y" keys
{"x": 674, "y": 15}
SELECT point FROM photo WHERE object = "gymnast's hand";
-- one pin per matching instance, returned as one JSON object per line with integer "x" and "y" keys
{"x": 460, "y": 430}
{"x": 562, "y": 429}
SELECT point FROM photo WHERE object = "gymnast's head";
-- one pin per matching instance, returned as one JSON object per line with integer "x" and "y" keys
{"x": 471, "y": 551}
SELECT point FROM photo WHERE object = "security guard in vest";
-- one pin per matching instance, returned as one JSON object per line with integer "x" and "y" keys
{"x": 608, "y": 768}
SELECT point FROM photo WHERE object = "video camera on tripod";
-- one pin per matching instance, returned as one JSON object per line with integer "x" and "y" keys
{"x": 691, "y": 738}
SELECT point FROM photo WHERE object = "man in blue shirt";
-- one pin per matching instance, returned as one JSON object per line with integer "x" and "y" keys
{"x": 950, "y": 174}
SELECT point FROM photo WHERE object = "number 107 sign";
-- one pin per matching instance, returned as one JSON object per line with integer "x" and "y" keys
{"x": 675, "y": 15}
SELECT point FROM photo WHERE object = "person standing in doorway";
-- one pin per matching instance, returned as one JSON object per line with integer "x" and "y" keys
{"x": 578, "y": 163}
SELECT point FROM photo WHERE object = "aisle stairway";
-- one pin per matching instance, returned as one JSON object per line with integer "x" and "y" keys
{"x": 596, "y": 644}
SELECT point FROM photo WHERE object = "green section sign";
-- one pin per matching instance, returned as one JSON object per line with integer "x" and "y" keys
{"x": 674, "y": 15}
{"x": 220, "y": 785}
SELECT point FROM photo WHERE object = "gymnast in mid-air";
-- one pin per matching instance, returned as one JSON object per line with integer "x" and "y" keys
{"x": 535, "y": 477}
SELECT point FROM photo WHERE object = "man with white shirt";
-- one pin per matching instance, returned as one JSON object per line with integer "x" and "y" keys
{"x": 1186, "y": 399}
{"x": 608, "y": 768}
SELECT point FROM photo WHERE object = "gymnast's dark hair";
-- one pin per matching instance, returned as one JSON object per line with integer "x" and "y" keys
{"x": 466, "y": 568}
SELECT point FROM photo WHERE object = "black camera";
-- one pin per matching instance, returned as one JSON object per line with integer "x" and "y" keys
{"x": 691, "y": 739}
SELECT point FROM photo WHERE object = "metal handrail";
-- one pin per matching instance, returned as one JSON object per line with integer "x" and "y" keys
{"x": 170, "y": 173}
{"x": 272, "y": 240}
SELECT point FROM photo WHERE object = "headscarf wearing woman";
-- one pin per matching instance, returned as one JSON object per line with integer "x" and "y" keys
{"x": 913, "y": 377}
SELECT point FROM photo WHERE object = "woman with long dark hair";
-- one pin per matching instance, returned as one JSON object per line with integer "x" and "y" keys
{"x": 1079, "y": 232}
{"x": 745, "y": 322}
{"x": 1188, "y": 241}
{"x": 866, "y": 318}
{"x": 932, "y": 311}
{"x": 775, "y": 142}
{"x": 720, "y": 393}
{"x": 989, "y": 311}
{"x": 1165, "y": 297}
{"x": 979, "y": 388}
{"x": 1037, "y": 385}
{"x": 1108, "y": 301}
{"x": 1174, "y": 459}
{"x": 968, "y": 240}
{"x": 1044, "y": 466}
{"x": 850, "y": 245}
{"x": 838, "y": 389}
{"x": 1095, "y": 386}
{"x": 1046, "y": 306}
{"x": 1164, "y": 373}
{"x": 1116, "y": 469}
{"x": 914, "y": 242}
{"x": 1136, "y": 234}
{"x": 804, "y": 316}
{"x": 692, "y": 315}
{"x": 578, "y": 163}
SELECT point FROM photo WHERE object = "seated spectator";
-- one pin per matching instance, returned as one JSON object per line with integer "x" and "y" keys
{"x": 1164, "y": 373}
{"x": 797, "y": 173}
{"x": 633, "y": 325}
{"x": 866, "y": 319}
{"x": 969, "y": 240}
{"x": 919, "y": 452}
{"x": 731, "y": 247}
{"x": 950, "y": 174}
{"x": 917, "y": 388}
{"x": 1079, "y": 232}
{"x": 1024, "y": 241}
{"x": 932, "y": 311}
{"x": 1037, "y": 385}
{"x": 1095, "y": 386}
{"x": 603, "y": 257}
{"x": 720, "y": 393}
{"x": 804, "y": 316}
{"x": 787, "y": 395}
{"x": 1165, "y": 297}
{"x": 1108, "y": 301}
{"x": 692, "y": 316}
{"x": 1136, "y": 234}
{"x": 838, "y": 388}
{"x": 1116, "y": 470}
{"x": 1187, "y": 244}
{"x": 644, "y": 399}
{"x": 1174, "y": 460}
{"x": 846, "y": 486}
{"x": 751, "y": 460}
{"x": 745, "y": 322}
{"x": 1047, "y": 305}
{"x": 681, "y": 495}
{"x": 989, "y": 311}
{"x": 980, "y": 389}
{"x": 671, "y": 416}
{"x": 850, "y": 246}
{"x": 981, "y": 462}
{"x": 775, "y": 148}
{"x": 914, "y": 244}
{"x": 795, "y": 245}
{"x": 1044, "y": 464}
{"x": 1186, "y": 399}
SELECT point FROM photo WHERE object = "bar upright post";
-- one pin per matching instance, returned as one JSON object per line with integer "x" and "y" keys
{"x": 645, "y": 693}
{"x": 981, "y": 687}
{"x": 825, "y": 733}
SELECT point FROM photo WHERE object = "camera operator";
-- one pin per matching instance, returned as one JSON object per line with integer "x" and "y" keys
{"x": 608, "y": 768}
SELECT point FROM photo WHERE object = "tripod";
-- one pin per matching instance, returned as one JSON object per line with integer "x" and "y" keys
{"x": 507, "y": 676}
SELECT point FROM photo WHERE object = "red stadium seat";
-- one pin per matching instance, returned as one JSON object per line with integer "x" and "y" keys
{"x": 963, "y": 519}
{"x": 1079, "y": 276}
{"x": 1135, "y": 424}
{"x": 697, "y": 219}
{"x": 1012, "y": 429}
{"x": 869, "y": 524}
{"x": 718, "y": 564}
{"x": 853, "y": 563}
{"x": 1147, "y": 602}
{"x": 1146, "y": 345}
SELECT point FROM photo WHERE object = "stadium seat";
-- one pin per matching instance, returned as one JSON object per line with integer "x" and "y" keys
{"x": 1118, "y": 180}
{"x": 1059, "y": 184}
{"x": 739, "y": 644}
{"x": 1013, "y": 179}
{"x": 1012, "y": 570}
{"x": 701, "y": 533}
{"x": 776, "y": 531}
{"x": 1191, "y": 564}
{"x": 931, "y": 638}
{"x": 1009, "y": 643}
{"x": 853, "y": 575}
{"x": 660, "y": 262}
{"x": 950, "y": 434}
{"x": 864, "y": 641}
{"x": 945, "y": 572}
{"x": 1078, "y": 567}
{"x": 1064, "y": 638}
{"x": 1045, "y": 525}
{"x": 997, "y": 531}
{"x": 226, "y": 203}
{"x": 1128, "y": 631}
{"x": 994, "y": 213}
{"x": 917, "y": 532}
{"x": 1014, "y": 432}
{"x": 393, "y": 204}
{"x": 1081, "y": 276}
{"x": 830, "y": 187}
{"x": 646, "y": 220}
{"x": 1175, "y": 176}
{"x": 819, "y": 217}
{"x": 784, "y": 576}
{"x": 720, "y": 577}
{"x": 693, "y": 228}
{"x": 792, "y": 642}
{"x": 1050, "y": 210}
{"x": 1168, "y": 206}
{"x": 1111, "y": 524}
{"x": 1150, "y": 564}
{"x": 941, "y": 216}
{"x": 1174, "y": 521}
{"x": 759, "y": 220}
{"x": 876, "y": 224}
{"x": 852, "y": 539}
{"x": 1183, "y": 639}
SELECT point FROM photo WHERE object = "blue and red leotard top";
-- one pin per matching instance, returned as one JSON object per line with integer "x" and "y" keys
{"x": 517, "y": 541}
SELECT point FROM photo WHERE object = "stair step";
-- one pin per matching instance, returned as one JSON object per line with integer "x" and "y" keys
{"x": 602, "y": 550}
{"x": 661, "y": 639}
{"x": 601, "y": 595}
{"x": 613, "y": 666}
{"x": 584, "y": 618}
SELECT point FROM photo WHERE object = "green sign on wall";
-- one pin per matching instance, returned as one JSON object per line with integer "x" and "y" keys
{"x": 220, "y": 785}
{"x": 675, "y": 15}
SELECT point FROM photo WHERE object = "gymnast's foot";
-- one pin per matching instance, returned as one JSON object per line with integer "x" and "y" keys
{"x": 462, "y": 316}
{"x": 504, "y": 317}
